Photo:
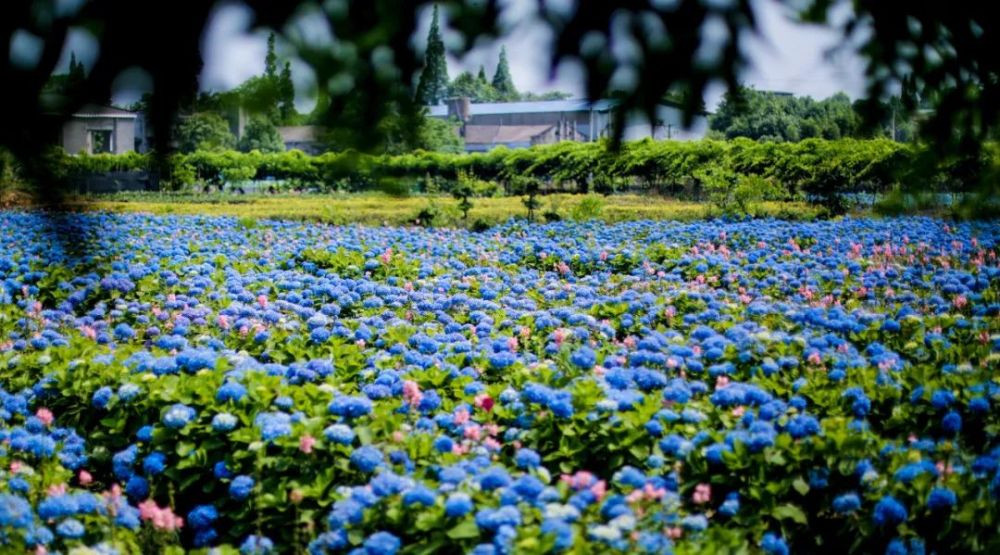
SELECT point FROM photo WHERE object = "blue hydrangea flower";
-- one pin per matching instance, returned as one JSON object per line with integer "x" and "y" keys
{"x": 256, "y": 545}
{"x": 941, "y": 498}
{"x": 202, "y": 516}
{"x": 418, "y": 495}
{"x": 339, "y": 433}
{"x": 273, "y": 425}
{"x": 494, "y": 477}
{"x": 951, "y": 423}
{"x": 154, "y": 463}
{"x": 224, "y": 422}
{"x": 350, "y": 407}
{"x": 846, "y": 503}
{"x": 458, "y": 505}
{"x": 231, "y": 391}
{"x": 584, "y": 358}
{"x": 178, "y": 416}
{"x": 773, "y": 544}
{"x": 15, "y": 512}
{"x": 128, "y": 391}
{"x": 102, "y": 397}
{"x": 366, "y": 458}
{"x": 526, "y": 458}
{"x": 70, "y": 528}
{"x": 382, "y": 543}
{"x": 889, "y": 512}
{"x": 241, "y": 487}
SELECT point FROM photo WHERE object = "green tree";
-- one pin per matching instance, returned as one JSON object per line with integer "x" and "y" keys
{"x": 503, "y": 83}
{"x": 260, "y": 95}
{"x": 203, "y": 131}
{"x": 478, "y": 90}
{"x": 433, "y": 84}
{"x": 77, "y": 74}
{"x": 441, "y": 136}
{"x": 271, "y": 59}
{"x": 462, "y": 191}
{"x": 772, "y": 116}
{"x": 286, "y": 94}
{"x": 71, "y": 83}
{"x": 261, "y": 134}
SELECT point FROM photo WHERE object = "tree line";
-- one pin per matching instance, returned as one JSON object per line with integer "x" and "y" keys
{"x": 434, "y": 85}
{"x": 774, "y": 116}
{"x": 818, "y": 170}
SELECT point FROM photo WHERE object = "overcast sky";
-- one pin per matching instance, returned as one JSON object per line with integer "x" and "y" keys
{"x": 786, "y": 56}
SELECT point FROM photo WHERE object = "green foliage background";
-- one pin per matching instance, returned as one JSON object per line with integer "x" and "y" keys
{"x": 815, "y": 169}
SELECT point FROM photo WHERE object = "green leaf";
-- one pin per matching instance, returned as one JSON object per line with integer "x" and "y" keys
{"x": 427, "y": 521}
{"x": 791, "y": 512}
{"x": 800, "y": 486}
{"x": 466, "y": 529}
{"x": 184, "y": 447}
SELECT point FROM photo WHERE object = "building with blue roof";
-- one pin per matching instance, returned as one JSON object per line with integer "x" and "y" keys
{"x": 522, "y": 124}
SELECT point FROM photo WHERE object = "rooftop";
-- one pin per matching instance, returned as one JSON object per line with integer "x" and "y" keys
{"x": 538, "y": 106}
{"x": 299, "y": 133}
{"x": 95, "y": 111}
{"x": 503, "y": 134}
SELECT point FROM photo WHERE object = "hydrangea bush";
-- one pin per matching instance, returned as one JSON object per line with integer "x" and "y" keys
{"x": 191, "y": 384}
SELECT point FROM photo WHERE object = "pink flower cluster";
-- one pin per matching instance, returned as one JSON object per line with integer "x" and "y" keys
{"x": 162, "y": 518}
{"x": 411, "y": 393}
{"x": 702, "y": 494}
{"x": 582, "y": 480}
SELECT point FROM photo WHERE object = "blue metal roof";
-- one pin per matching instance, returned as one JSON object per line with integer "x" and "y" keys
{"x": 534, "y": 107}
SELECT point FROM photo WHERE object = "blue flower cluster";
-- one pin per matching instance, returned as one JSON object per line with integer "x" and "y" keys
{"x": 643, "y": 387}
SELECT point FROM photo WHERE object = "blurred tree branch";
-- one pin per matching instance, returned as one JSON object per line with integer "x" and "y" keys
{"x": 640, "y": 51}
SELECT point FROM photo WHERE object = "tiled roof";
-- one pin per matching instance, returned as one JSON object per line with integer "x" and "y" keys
{"x": 299, "y": 133}
{"x": 503, "y": 134}
{"x": 534, "y": 107}
{"x": 95, "y": 111}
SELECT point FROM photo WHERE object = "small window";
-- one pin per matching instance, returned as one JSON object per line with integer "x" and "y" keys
{"x": 100, "y": 141}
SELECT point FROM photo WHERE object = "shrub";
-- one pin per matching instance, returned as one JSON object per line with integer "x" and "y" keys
{"x": 824, "y": 172}
{"x": 550, "y": 216}
{"x": 204, "y": 131}
{"x": 480, "y": 226}
{"x": 394, "y": 187}
{"x": 427, "y": 215}
{"x": 589, "y": 208}
{"x": 261, "y": 135}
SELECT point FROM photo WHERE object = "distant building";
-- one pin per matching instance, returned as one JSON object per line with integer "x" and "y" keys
{"x": 99, "y": 129}
{"x": 523, "y": 124}
{"x": 302, "y": 137}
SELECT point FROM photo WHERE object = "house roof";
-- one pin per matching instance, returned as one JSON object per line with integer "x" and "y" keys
{"x": 503, "y": 134}
{"x": 95, "y": 111}
{"x": 533, "y": 107}
{"x": 299, "y": 133}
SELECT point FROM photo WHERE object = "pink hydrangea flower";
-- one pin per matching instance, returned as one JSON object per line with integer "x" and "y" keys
{"x": 45, "y": 415}
{"x": 702, "y": 494}
{"x": 306, "y": 444}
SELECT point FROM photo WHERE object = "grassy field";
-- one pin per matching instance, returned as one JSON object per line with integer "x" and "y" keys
{"x": 380, "y": 209}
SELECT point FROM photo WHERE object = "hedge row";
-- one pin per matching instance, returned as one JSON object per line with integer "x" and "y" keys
{"x": 811, "y": 167}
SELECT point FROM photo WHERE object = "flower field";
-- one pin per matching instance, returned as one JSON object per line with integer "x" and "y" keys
{"x": 191, "y": 383}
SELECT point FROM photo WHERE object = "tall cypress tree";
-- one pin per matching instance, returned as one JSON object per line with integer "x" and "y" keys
{"x": 433, "y": 85}
{"x": 75, "y": 78}
{"x": 286, "y": 93}
{"x": 502, "y": 80}
{"x": 271, "y": 60}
